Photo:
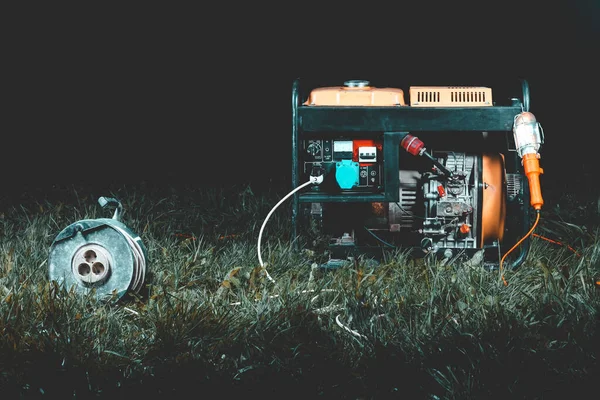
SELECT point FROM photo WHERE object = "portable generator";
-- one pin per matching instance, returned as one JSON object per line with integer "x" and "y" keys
{"x": 450, "y": 173}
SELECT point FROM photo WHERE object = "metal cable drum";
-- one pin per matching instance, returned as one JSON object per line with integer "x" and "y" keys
{"x": 99, "y": 254}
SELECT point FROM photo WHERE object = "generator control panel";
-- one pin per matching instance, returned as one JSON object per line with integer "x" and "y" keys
{"x": 351, "y": 164}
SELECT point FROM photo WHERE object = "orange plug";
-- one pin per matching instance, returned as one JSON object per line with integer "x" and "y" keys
{"x": 531, "y": 164}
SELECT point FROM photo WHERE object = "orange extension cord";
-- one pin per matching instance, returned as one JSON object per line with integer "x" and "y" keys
{"x": 537, "y": 219}
{"x": 558, "y": 243}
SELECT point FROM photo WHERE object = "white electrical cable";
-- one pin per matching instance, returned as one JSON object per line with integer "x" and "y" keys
{"x": 313, "y": 180}
{"x": 139, "y": 267}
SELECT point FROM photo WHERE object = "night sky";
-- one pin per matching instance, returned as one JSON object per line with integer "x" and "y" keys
{"x": 198, "y": 96}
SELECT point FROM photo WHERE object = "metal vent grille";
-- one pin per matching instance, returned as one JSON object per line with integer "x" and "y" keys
{"x": 408, "y": 200}
{"x": 514, "y": 185}
{"x": 450, "y": 96}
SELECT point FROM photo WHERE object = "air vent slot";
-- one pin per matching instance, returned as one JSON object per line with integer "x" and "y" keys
{"x": 450, "y": 96}
{"x": 514, "y": 185}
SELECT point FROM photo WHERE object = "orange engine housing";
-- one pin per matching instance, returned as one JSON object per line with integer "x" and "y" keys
{"x": 356, "y": 93}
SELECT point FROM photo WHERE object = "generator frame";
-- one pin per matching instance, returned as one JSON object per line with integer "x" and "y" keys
{"x": 393, "y": 123}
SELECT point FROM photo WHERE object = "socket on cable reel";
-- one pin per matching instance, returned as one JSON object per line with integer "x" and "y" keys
{"x": 100, "y": 255}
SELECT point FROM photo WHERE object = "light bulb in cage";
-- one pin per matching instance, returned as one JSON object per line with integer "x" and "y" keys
{"x": 528, "y": 139}
{"x": 527, "y": 133}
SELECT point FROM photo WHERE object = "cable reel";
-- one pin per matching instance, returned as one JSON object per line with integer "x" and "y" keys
{"x": 99, "y": 254}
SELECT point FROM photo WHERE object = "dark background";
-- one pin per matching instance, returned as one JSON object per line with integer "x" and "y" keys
{"x": 202, "y": 96}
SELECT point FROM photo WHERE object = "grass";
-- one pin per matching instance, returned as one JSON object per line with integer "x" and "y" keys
{"x": 209, "y": 318}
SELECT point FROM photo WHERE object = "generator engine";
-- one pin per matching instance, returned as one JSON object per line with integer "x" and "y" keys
{"x": 441, "y": 175}
{"x": 449, "y": 204}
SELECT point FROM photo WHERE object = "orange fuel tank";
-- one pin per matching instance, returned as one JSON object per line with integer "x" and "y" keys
{"x": 356, "y": 93}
